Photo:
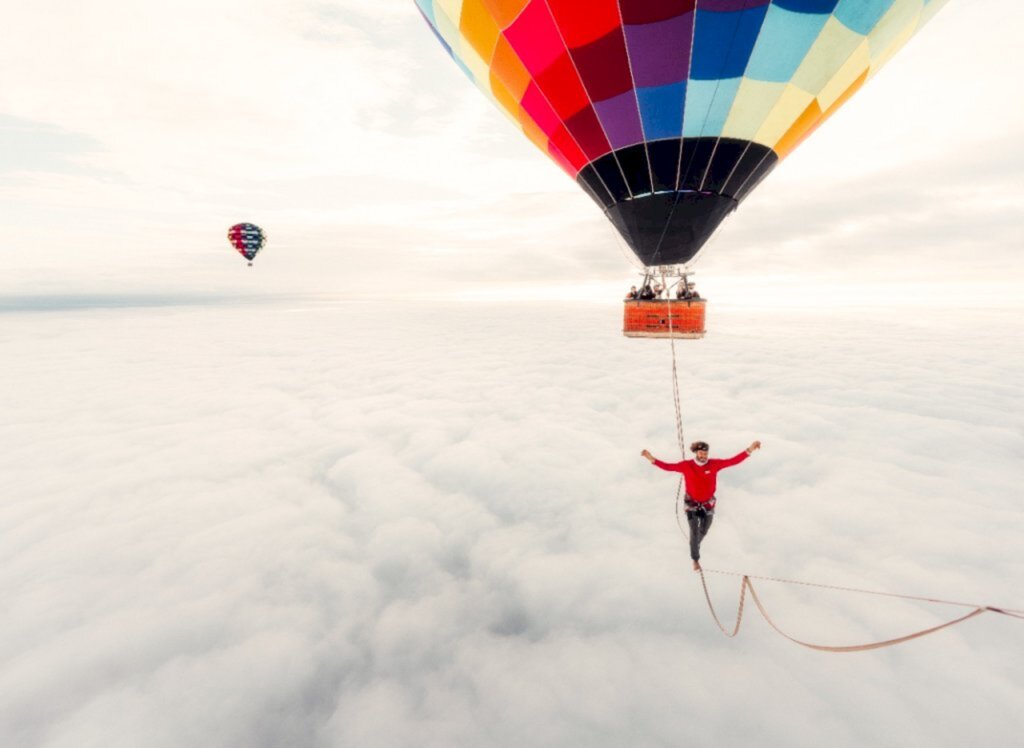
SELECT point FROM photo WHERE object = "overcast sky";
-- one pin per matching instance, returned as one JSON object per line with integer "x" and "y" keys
{"x": 406, "y": 524}
{"x": 132, "y": 136}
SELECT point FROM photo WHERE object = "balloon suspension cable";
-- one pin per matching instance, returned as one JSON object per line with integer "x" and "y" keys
{"x": 747, "y": 585}
{"x": 675, "y": 400}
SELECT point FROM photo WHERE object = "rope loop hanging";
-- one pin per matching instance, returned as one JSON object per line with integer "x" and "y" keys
{"x": 747, "y": 586}
{"x": 714, "y": 615}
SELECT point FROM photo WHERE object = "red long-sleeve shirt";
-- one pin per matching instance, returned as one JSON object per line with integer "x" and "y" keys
{"x": 701, "y": 480}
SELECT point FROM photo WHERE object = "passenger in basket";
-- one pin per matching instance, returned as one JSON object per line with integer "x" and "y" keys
{"x": 686, "y": 291}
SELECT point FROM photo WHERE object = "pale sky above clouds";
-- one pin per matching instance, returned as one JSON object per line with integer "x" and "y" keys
{"x": 133, "y": 135}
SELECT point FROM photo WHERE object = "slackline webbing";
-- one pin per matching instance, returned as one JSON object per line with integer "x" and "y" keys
{"x": 940, "y": 601}
{"x": 746, "y": 585}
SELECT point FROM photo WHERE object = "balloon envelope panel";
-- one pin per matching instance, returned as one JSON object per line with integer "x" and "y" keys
{"x": 669, "y": 112}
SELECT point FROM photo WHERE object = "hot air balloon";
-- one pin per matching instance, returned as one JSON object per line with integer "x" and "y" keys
{"x": 668, "y": 113}
{"x": 248, "y": 239}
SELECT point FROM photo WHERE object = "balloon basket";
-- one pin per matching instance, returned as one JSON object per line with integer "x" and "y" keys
{"x": 650, "y": 319}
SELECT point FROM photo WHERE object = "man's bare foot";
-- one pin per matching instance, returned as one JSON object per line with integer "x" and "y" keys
{"x": 696, "y": 566}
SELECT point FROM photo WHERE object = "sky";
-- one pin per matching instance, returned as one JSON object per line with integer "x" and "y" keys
{"x": 385, "y": 487}
{"x": 132, "y": 136}
{"x": 326, "y": 523}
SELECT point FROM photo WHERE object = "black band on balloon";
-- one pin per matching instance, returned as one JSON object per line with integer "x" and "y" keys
{"x": 666, "y": 206}
{"x": 721, "y": 165}
{"x": 669, "y": 228}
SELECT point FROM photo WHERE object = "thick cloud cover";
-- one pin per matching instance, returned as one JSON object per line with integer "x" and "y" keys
{"x": 305, "y": 523}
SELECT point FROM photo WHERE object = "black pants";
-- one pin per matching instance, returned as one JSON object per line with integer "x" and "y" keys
{"x": 700, "y": 522}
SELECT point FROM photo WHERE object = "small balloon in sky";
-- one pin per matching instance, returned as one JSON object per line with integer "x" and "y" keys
{"x": 248, "y": 239}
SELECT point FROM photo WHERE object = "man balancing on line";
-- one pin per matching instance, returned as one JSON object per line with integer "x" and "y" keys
{"x": 700, "y": 475}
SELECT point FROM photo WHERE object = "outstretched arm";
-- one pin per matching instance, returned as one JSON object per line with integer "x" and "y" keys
{"x": 675, "y": 467}
{"x": 722, "y": 464}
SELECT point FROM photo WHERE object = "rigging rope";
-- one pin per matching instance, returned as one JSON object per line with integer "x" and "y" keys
{"x": 675, "y": 400}
{"x": 1008, "y": 611}
{"x": 746, "y": 585}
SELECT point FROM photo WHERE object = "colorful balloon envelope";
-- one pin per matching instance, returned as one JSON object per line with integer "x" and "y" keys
{"x": 670, "y": 112}
{"x": 247, "y": 238}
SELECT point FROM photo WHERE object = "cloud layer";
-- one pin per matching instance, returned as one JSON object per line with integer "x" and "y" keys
{"x": 406, "y": 523}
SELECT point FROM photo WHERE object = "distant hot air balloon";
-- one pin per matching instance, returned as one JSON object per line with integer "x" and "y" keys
{"x": 670, "y": 112}
{"x": 247, "y": 238}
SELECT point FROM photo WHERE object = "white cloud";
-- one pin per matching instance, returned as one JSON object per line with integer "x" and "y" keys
{"x": 326, "y": 524}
